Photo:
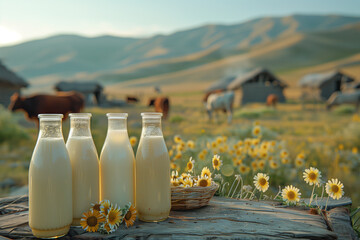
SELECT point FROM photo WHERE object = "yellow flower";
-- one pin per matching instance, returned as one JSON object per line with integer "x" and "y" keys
{"x": 238, "y": 162}
{"x": 261, "y": 164}
{"x": 95, "y": 207}
{"x": 174, "y": 166}
{"x": 299, "y": 162}
{"x": 254, "y": 165}
{"x": 206, "y": 173}
{"x": 184, "y": 176}
{"x": 114, "y": 217}
{"x": 190, "y": 165}
{"x": 301, "y": 155}
{"x": 341, "y": 147}
{"x": 216, "y": 162}
{"x": 274, "y": 164}
{"x": 255, "y": 141}
{"x": 261, "y": 182}
{"x": 190, "y": 144}
{"x": 244, "y": 169}
{"x": 178, "y": 155}
{"x": 231, "y": 152}
{"x": 213, "y": 145}
{"x": 204, "y": 151}
{"x": 130, "y": 216}
{"x": 312, "y": 176}
{"x": 187, "y": 182}
{"x": 221, "y": 149}
{"x": 171, "y": 152}
{"x": 219, "y": 140}
{"x": 180, "y": 147}
{"x": 174, "y": 175}
{"x": 238, "y": 151}
{"x": 239, "y": 143}
{"x": 108, "y": 228}
{"x": 133, "y": 140}
{"x": 263, "y": 154}
{"x": 105, "y": 206}
{"x": 334, "y": 188}
{"x": 256, "y": 123}
{"x": 91, "y": 220}
{"x": 204, "y": 182}
{"x": 273, "y": 143}
{"x": 202, "y": 130}
{"x": 201, "y": 156}
{"x": 177, "y": 139}
{"x": 256, "y": 131}
{"x": 284, "y": 153}
{"x": 291, "y": 194}
{"x": 285, "y": 160}
{"x": 354, "y": 150}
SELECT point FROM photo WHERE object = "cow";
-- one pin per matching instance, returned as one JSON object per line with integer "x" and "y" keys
{"x": 338, "y": 98}
{"x": 130, "y": 99}
{"x": 220, "y": 101}
{"x": 272, "y": 100}
{"x": 161, "y": 104}
{"x": 62, "y": 103}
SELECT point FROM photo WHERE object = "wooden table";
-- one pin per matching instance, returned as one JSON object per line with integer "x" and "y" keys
{"x": 223, "y": 219}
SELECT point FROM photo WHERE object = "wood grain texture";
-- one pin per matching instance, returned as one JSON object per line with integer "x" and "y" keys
{"x": 222, "y": 219}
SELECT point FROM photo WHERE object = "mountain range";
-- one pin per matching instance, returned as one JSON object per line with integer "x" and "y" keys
{"x": 279, "y": 43}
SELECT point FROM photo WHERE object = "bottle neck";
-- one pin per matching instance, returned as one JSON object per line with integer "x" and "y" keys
{"x": 151, "y": 128}
{"x": 50, "y": 128}
{"x": 117, "y": 124}
{"x": 79, "y": 127}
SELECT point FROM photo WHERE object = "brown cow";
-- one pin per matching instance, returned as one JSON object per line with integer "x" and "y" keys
{"x": 162, "y": 104}
{"x": 272, "y": 100}
{"x": 130, "y": 99}
{"x": 62, "y": 103}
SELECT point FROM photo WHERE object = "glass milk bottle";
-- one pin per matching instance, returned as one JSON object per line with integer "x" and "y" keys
{"x": 50, "y": 181}
{"x": 85, "y": 165}
{"x": 153, "y": 196}
{"x": 117, "y": 163}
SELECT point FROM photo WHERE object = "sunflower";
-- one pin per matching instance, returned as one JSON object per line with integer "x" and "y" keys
{"x": 201, "y": 156}
{"x": 205, "y": 172}
{"x": 184, "y": 176}
{"x": 301, "y": 155}
{"x": 204, "y": 182}
{"x": 219, "y": 140}
{"x": 244, "y": 169}
{"x": 239, "y": 143}
{"x": 174, "y": 178}
{"x": 354, "y": 150}
{"x": 261, "y": 182}
{"x": 174, "y": 166}
{"x": 190, "y": 165}
{"x": 179, "y": 147}
{"x": 299, "y": 162}
{"x": 238, "y": 151}
{"x": 284, "y": 153}
{"x": 190, "y": 144}
{"x": 213, "y": 145}
{"x": 133, "y": 140}
{"x": 108, "y": 228}
{"x": 114, "y": 218}
{"x": 291, "y": 194}
{"x": 285, "y": 160}
{"x": 263, "y": 154}
{"x": 95, "y": 207}
{"x": 238, "y": 162}
{"x": 177, "y": 139}
{"x": 222, "y": 149}
{"x": 256, "y": 123}
{"x": 261, "y": 164}
{"x": 130, "y": 216}
{"x": 254, "y": 165}
{"x": 274, "y": 164}
{"x": 255, "y": 141}
{"x": 187, "y": 182}
{"x": 225, "y": 138}
{"x": 256, "y": 131}
{"x": 105, "y": 206}
{"x": 334, "y": 188}
{"x": 312, "y": 176}
{"x": 204, "y": 151}
{"x": 178, "y": 155}
{"x": 175, "y": 182}
{"x": 91, "y": 220}
{"x": 216, "y": 162}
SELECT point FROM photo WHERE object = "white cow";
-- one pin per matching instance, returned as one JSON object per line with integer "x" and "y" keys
{"x": 338, "y": 98}
{"x": 220, "y": 101}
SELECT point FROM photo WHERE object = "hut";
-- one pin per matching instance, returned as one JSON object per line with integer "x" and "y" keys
{"x": 257, "y": 85}
{"x": 10, "y": 83}
{"x": 92, "y": 91}
{"x": 326, "y": 83}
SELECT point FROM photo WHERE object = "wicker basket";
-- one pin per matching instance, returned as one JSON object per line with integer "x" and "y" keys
{"x": 192, "y": 197}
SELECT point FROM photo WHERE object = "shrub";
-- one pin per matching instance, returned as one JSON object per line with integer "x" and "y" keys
{"x": 10, "y": 131}
{"x": 344, "y": 110}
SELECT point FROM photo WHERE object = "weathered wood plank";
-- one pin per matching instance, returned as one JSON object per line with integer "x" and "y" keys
{"x": 222, "y": 219}
{"x": 345, "y": 201}
{"x": 341, "y": 223}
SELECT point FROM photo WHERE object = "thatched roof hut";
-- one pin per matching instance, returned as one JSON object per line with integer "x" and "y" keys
{"x": 10, "y": 83}
{"x": 92, "y": 91}
{"x": 327, "y": 83}
{"x": 257, "y": 85}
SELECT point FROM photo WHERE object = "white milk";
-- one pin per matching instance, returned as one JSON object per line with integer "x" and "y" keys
{"x": 117, "y": 171}
{"x": 153, "y": 196}
{"x": 50, "y": 189}
{"x": 85, "y": 174}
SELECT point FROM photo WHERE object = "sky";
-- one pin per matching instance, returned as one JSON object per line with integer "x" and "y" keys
{"x": 24, "y": 20}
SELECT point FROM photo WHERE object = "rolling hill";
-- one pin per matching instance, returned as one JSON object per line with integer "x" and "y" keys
{"x": 115, "y": 59}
